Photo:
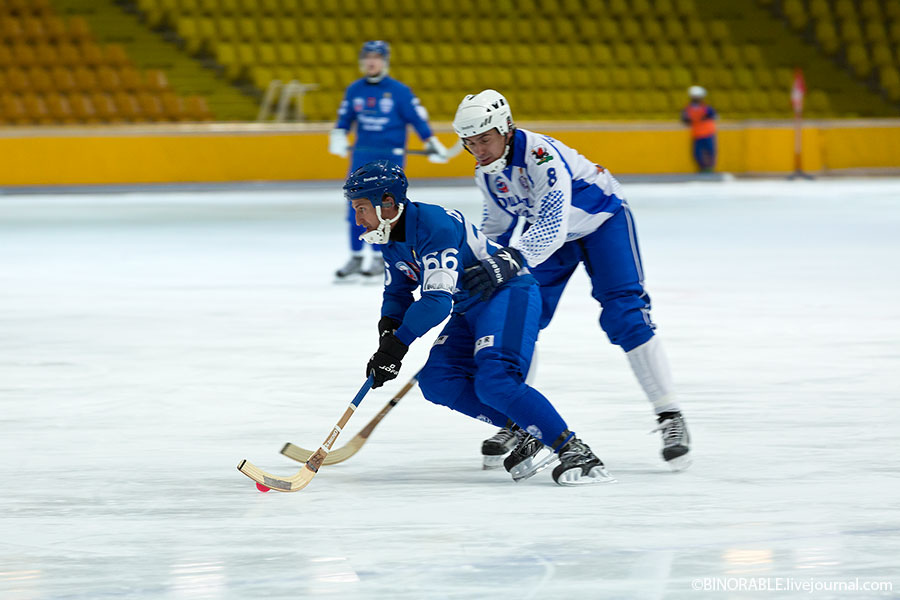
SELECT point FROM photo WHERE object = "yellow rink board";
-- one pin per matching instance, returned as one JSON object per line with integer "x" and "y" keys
{"x": 265, "y": 152}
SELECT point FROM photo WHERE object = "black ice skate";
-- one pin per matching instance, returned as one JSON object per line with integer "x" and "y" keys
{"x": 676, "y": 440}
{"x": 496, "y": 447}
{"x": 523, "y": 461}
{"x": 578, "y": 465}
{"x": 350, "y": 270}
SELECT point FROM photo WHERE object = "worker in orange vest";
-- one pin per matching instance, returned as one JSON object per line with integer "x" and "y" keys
{"x": 702, "y": 119}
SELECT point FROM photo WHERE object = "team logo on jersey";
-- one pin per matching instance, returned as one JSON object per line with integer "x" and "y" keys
{"x": 484, "y": 342}
{"x": 407, "y": 270}
{"x": 523, "y": 181}
{"x": 502, "y": 187}
{"x": 439, "y": 340}
{"x": 370, "y": 102}
{"x": 484, "y": 419}
{"x": 358, "y": 104}
{"x": 541, "y": 155}
{"x": 386, "y": 104}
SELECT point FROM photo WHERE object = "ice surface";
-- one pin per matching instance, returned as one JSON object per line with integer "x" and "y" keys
{"x": 149, "y": 341}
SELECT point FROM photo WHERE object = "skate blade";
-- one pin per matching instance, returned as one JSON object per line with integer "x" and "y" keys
{"x": 531, "y": 467}
{"x": 355, "y": 278}
{"x": 573, "y": 477}
{"x": 372, "y": 280}
{"x": 493, "y": 462}
{"x": 681, "y": 463}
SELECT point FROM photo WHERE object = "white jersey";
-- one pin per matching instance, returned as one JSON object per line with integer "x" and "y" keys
{"x": 561, "y": 195}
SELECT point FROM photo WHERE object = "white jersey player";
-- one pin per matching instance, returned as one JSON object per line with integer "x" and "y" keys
{"x": 574, "y": 213}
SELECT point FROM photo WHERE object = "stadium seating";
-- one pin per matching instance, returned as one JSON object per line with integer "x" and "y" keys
{"x": 605, "y": 59}
{"x": 53, "y": 71}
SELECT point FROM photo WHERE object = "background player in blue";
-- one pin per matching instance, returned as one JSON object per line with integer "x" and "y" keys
{"x": 477, "y": 365}
{"x": 574, "y": 212}
{"x": 381, "y": 107}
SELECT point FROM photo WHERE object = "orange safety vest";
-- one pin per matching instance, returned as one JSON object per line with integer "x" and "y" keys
{"x": 701, "y": 127}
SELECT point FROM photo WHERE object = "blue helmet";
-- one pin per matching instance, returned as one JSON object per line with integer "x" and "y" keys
{"x": 374, "y": 181}
{"x": 378, "y": 47}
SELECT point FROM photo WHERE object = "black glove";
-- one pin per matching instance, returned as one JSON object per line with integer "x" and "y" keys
{"x": 492, "y": 272}
{"x": 387, "y": 325}
{"x": 385, "y": 363}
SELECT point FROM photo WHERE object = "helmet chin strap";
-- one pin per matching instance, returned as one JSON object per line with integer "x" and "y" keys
{"x": 383, "y": 233}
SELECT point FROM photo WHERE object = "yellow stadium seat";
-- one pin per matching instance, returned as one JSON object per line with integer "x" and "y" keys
{"x": 850, "y": 32}
{"x": 260, "y": 77}
{"x": 894, "y": 32}
{"x": 752, "y": 54}
{"x": 652, "y": 29}
{"x": 83, "y": 108}
{"x": 35, "y": 109}
{"x": 588, "y": 30}
{"x": 130, "y": 79}
{"x": 306, "y": 54}
{"x": 63, "y": 79}
{"x": 871, "y": 9}
{"x": 718, "y": 30}
{"x": 288, "y": 30}
{"x": 106, "y": 108}
{"x": 116, "y": 56}
{"x": 59, "y": 109}
{"x": 688, "y": 55}
{"x": 267, "y": 54}
{"x": 55, "y": 29}
{"x": 619, "y": 8}
{"x": 819, "y": 10}
{"x": 744, "y": 79}
{"x": 40, "y": 79}
{"x": 729, "y": 54}
{"x": 892, "y": 11}
{"x": 640, "y": 78}
{"x": 784, "y": 77}
{"x": 328, "y": 54}
{"x": 603, "y": 103}
{"x": 11, "y": 30}
{"x": 33, "y": 29}
{"x": 621, "y": 78}
{"x": 827, "y": 36}
{"x": 630, "y": 30}
{"x": 845, "y": 9}
{"x": 79, "y": 30}
{"x": 881, "y": 55}
{"x": 666, "y": 55}
{"x": 874, "y": 32}
{"x": 685, "y": 8}
{"x": 645, "y": 54}
{"x": 247, "y": 29}
{"x": 622, "y": 54}
{"x": 661, "y": 77}
{"x": 23, "y": 55}
{"x": 779, "y": 101}
{"x": 764, "y": 77}
{"x": 858, "y": 59}
{"x": 46, "y": 55}
{"x": 796, "y": 14}
{"x": 85, "y": 79}
{"x": 681, "y": 78}
{"x": 108, "y": 79}
{"x": 817, "y": 102}
{"x": 227, "y": 29}
{"x": 287, "y": 53}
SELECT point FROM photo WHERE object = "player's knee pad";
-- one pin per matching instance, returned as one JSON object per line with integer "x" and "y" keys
{"x": 626, "y": 320}
{"x": 499, "y": 383}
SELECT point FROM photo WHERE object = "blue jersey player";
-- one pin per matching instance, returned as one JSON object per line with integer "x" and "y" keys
{"x": 574, "y": 213}
{"x": 478, "y": 363}
{"x": 381, "y": 107}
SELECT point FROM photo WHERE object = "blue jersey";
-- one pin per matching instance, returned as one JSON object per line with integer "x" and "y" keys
{"x": 382, "y": 111}
{"x": 437, "y": 246}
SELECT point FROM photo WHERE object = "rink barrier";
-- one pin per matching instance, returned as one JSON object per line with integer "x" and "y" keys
{"x": 232, "y": 152}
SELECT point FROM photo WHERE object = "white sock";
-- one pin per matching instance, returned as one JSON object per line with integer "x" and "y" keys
{"x": 650, "y": 365}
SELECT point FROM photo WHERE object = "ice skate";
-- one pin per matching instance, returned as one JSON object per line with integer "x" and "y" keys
{"x": 578, "y": 465}
{"x": 676, "y": 440}
{"x": 496, "y": 447}
{"x": 372, "y": 269}
{"x": 350, "y": 271}
{"x": 523, "y": 461}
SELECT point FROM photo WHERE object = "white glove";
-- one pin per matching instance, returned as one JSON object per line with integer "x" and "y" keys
{"x": 337, "y": 143}
{"x": 436, "y": 151}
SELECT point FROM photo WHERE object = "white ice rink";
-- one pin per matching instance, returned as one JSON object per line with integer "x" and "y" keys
{"x": 150, "y": 341}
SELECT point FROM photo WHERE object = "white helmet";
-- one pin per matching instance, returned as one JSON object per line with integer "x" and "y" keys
{"x": 478, "y": 113}
{"x": 695, "y": 91}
